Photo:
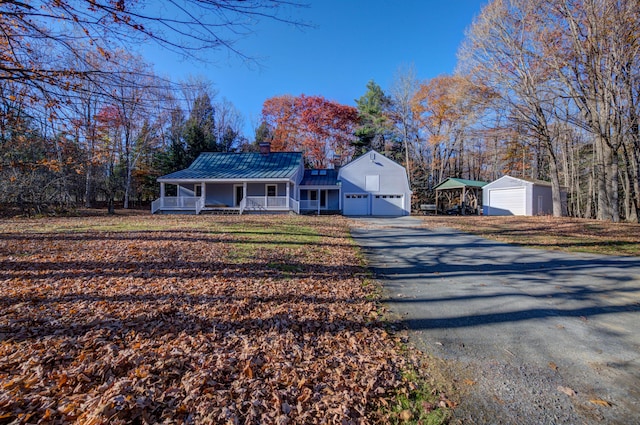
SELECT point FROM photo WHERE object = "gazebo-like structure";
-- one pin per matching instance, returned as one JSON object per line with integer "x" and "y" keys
{"x": 465, "y": 194}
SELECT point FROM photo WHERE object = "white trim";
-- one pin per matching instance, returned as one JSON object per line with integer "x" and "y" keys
{"x": 266, "y": 189}
{"x": 236, "y": 202}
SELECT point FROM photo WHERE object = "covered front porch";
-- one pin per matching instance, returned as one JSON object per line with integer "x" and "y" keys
{"x": 225, "y": 197}
{"x": 320, "y": 199}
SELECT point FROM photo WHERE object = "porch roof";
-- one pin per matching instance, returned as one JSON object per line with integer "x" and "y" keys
{"x": 325, "y": 177}
{"x": 239, "y": 166}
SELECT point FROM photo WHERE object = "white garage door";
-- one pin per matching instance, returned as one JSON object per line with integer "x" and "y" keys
{"x": 356, "y": 204}
{"x": 507, "y": 201}
{"x": 388, "y": 205}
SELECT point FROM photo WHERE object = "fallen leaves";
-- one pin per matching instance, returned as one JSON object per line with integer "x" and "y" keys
{"x": 600, "y": 402}
{"x": 566, "y": 390}
{"x": 189, "y": 319}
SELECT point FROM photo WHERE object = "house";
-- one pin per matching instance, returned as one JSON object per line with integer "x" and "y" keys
{"x": 234, "y": 182}
{"x": 374, "y": 185}
{"x": 277, "y": 182}
{"x": 518, "y": 196}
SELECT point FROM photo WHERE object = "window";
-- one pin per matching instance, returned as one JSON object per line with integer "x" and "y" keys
{"x": 323, "y": 172}
{"x": 197, "y": 190}
{"x": 372, "y": 183}
{"x": 272, "y": 190}
{"x": 314, "y": 172}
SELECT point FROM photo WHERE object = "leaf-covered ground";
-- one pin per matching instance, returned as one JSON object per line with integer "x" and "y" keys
{"x": 564, "y": 233}
{"x": 171, "y": 319}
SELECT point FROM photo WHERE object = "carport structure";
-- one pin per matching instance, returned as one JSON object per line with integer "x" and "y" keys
{"x": 465, "y": 194}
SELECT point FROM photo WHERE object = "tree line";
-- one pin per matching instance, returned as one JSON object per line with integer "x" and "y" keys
{"x": 543, "y": 89}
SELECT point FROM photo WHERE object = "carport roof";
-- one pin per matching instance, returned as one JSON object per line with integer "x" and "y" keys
{"x": 454, "y": 183}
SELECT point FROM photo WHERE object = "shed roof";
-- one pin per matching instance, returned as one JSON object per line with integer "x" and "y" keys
{"x": 454, "y": 183}
{"x": 238, "y": 166}
{"x": 328, "y": 177}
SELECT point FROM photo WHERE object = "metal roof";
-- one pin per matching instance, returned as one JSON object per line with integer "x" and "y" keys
{"x": 320, "y": 178}
{"x": 239, "y": 166}
{"x": 454, "y": 183}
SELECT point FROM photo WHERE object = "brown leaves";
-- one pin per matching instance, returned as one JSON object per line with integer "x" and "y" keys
{"x": 159, "y": 319}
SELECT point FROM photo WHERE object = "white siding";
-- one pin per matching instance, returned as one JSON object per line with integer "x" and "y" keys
{"x": 374, "y": 174}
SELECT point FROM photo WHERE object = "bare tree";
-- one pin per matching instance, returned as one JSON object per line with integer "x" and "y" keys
{"x": 503, "y": 52}
{"x": 37, "y": 36}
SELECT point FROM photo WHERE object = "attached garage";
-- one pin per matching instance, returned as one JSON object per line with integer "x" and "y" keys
{"x": 392, "y": 205}
{"x": 507, "y": 201}
{"x": 356, "y": 204}
{"x": 374, "y": 185}
{"x": 519, "y": 196}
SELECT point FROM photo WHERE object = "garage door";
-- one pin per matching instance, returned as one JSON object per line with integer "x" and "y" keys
{"x": 388, "y": 205}
{"x": 356, "y": 204}
{"x": 507, "y": 201}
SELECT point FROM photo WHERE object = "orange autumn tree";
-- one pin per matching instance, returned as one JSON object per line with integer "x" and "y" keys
{"x": 319, "y": 128}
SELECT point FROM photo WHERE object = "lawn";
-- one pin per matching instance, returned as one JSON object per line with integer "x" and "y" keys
{"x": 208, "y": 319}
{"x": 565, "y": 233}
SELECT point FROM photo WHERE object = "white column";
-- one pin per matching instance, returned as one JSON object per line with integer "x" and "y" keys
{"x": 287, "y": 195}
{"x": 162, "y": 194}
{"x": 318, "y": 191}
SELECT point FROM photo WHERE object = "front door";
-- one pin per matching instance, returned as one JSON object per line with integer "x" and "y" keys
{"x": 238, "y": 194}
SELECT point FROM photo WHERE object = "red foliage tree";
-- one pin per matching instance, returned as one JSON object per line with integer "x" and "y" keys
{"x": 319, "y": 128}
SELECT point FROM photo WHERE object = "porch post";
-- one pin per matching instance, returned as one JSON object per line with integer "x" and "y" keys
{"x": 464, "y": 200}
{"x": 287, "y": 195}
{"x": 244, "y": 192}
{"x": 204, "y": 188}
{"x": 318, "y": 197}
{"x": 162, "y": 194}
{"x": 179, "y": 197}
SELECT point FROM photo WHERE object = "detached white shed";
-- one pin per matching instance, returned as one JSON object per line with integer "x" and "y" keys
{"x": 518, "y": 196}
{"x": 374, "y": 185}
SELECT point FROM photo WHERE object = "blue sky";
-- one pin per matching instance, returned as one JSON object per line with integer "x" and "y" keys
{"x": 350, "y": 43}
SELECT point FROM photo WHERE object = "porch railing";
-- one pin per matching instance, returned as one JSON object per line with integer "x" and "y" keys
{"x": 199, "y": 205}
{"x": 266, "y": 202}
{"x": 176, "y": 203}
{"x": 309, "y": 205}
{"x": 294, "y": 205}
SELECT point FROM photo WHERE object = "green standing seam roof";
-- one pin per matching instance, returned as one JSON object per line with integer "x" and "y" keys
{"x": 239, "y": 166}
{"x": 454, "y": 183}
{"x": 325, "y": 177}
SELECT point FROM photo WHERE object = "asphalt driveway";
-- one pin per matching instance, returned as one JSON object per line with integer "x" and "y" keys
{"x": 531, "y": 336}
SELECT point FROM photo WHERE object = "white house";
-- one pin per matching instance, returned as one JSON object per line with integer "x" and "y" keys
{"x": 518, "y": 196}
{"x": 374, "y": 185}
{"x": 277, "y": 182}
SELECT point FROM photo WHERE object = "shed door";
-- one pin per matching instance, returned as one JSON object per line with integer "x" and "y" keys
{"x": 356, "y": 204}
{"x": 388, "y": 205}
{"x": 507, "y": 201}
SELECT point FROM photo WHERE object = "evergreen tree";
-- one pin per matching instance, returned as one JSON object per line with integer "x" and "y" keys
{"x": 375, "y": 126}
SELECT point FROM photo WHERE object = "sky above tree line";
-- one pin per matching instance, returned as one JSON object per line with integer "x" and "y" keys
{"x": 347, "y": 44}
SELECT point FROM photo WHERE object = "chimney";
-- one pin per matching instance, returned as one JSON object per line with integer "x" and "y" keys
{"x": 265, "y": 148}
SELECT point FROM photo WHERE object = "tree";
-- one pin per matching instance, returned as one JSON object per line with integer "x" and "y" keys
{"x": 404, "y": 88}
{"x": 375, "y": 126}
{"x": 503, "y": 52}
{"x": 38, "y": 37}
{"x": 322, "y": 129}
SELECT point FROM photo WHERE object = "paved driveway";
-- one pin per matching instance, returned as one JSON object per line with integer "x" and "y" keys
{"x": 536, "y": 337}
